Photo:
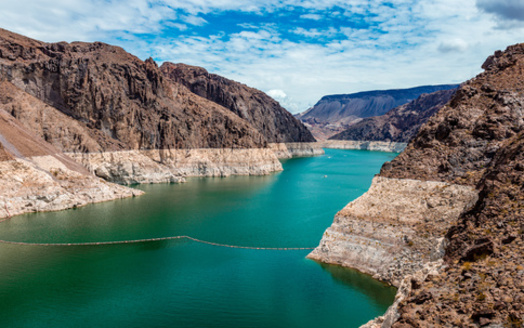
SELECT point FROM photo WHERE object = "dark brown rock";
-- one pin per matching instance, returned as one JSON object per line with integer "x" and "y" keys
{"x": 478, "y": 140}
{"x": 260, "y": 110}
{"x": 123, "y": 101}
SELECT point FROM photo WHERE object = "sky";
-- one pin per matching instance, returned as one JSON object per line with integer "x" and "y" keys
{"x": 298, "y": 50}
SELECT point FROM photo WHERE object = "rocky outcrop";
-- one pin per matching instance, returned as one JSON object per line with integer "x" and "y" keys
{"x": 261, "y": 111}
{"x": 99, "y": 103}
{"x": 392, "y": 147}
{"x": 400, "y": 124}
{"x": 297, "y": 149}
{"x": 395, "y": 228}
{"x": 172, "y": 165}
{"x": 35, "y": 176}
{"x": 124, "y": 101}
{"x": 332, "y": 114}
{"x": 43, "y": 183}
{"x": 475, "y": 142}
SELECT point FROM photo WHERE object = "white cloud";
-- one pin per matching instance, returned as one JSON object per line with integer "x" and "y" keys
{"x": 311, "y": 16}
{"x": 406, "y": 44}
{"x": 277, "y": 94}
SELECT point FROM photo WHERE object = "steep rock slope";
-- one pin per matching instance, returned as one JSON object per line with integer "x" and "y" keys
{"x": 96, "y": 100}
{"x": 35, "y": 176}
{"x": 114, "y": 92}
{"x": 260, "y": 110}
{"x": 399, "y": 124}
{"x": 473, "y": 144}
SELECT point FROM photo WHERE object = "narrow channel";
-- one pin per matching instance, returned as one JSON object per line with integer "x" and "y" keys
{"x": 182, "y": 283}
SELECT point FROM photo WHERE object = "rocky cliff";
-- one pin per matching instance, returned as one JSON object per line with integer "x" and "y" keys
{"x": 129, "y": 121}
{"x": 88, "y": 108}
{"x": 261, "y": 111}
{"x": 35, "y": 176}
{"x": 124, "y": 100}
{"x": 447, "y": 214}
{"x": 332, "y": 114}
{"x": 400, "y": 124}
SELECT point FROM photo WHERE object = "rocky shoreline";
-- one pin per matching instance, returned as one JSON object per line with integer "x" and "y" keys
{"x": 296, "y": 149}
{"x": 173, "y": 165}
{"x": 444, "y": 220}
{"x": 44, "y": 183}
{"x": 392, "y": 147}
{"x": 411, "y": 216}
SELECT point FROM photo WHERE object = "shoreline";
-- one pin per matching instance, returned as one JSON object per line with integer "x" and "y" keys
{"x": 386, "y": 146}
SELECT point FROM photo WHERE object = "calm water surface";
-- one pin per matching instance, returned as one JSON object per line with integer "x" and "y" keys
{"x": 185, "y": 284}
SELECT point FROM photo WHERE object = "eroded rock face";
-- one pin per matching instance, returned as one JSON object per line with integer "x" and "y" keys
{"x": 261, "y": 111}
{"x": 126, "y": 101}
{"x": 35, "y": 176}
{"x": 395, "y": 228}
{"x": 459, "y": 143}
{"x": 400, "y": 124}
{"x": 172, "y": 165}
{"x": 43, "y": 183}
{"x": 296, "y": 149}
{"x": 475, "y": 142}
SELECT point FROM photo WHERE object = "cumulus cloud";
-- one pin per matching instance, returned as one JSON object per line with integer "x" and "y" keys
{"x": 277, "y": 94}
{"x": 311, "y": 16}
{"x": 299, "y": 50}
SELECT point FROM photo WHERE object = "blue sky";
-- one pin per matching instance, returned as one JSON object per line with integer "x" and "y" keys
{"x": 296, "y": 50}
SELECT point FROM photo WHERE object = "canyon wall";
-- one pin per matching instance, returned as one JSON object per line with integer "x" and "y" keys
{"x": 443, "y": 221}
{"x": 392, "y": 147}
{"x": 36, "y": 176}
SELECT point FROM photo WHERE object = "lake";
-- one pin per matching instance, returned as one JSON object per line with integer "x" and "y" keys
{"x": 182, "y": 283}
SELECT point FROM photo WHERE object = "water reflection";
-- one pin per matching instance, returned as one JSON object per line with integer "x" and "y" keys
{"x": 377, "y": 292}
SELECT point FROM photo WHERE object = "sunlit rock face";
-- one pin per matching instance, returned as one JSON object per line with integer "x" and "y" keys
{"x": 472, "y": 154}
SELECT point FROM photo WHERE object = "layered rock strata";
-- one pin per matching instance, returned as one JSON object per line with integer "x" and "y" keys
{"x": 475, "y": 144}
{"x": 172, "y": 165}
{"x": 394, "y": 228}
{"x": 297, "y": 149}
{"x": 35, "y": 176}
{"x": 335, "y": 113}
{"x": 392, "y": 147}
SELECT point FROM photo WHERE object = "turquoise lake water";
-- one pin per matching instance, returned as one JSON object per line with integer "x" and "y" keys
{"x": 181, "y": 283}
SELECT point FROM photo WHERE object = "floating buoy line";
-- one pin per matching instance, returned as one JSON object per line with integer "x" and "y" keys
{"x": 149, "y": 240}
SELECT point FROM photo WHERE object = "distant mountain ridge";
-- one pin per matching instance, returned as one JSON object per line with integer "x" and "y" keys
{"x": 334, "y": 113}
{"x": 399, "y": 124}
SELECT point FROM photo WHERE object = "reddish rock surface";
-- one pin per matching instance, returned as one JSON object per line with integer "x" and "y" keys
{"x": 260, "y": 110}
{"x": 122, "y": 103}
{"x": 478, "y": 140}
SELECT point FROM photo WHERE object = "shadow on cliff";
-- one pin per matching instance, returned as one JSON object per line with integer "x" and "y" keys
{"x": 378, "y": 292}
